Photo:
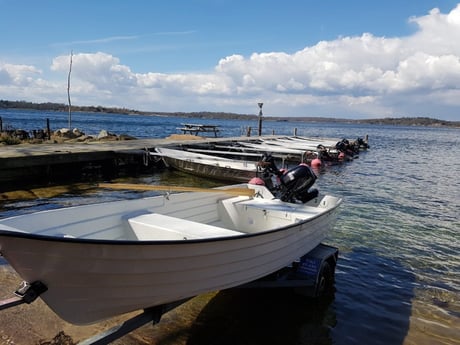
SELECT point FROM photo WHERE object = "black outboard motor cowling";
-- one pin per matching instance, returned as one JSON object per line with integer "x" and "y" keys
{"x": 295, "y": 184}
{"x": 267, "y": 170}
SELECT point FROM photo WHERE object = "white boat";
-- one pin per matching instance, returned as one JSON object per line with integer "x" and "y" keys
{"x": 252, "y": 153}
{"x": 102, "y": 260}
{"x": 209, "y": 166}
{"x": 291, "y": 144}
{"x": 330, "y": 143}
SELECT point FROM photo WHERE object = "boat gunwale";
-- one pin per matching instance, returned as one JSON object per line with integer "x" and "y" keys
{"x": 32, "y": 236}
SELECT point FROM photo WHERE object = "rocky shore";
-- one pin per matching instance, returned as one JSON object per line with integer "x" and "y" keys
{"x": 21, "y": 136}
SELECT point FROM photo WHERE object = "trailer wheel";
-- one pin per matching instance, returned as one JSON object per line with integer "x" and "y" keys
{"x": 325, "y": 283}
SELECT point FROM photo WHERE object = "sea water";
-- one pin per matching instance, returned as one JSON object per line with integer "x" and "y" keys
{"x": 398, "y": 232}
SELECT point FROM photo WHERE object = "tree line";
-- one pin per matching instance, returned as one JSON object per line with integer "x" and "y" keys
{"x": 49, "y": 106}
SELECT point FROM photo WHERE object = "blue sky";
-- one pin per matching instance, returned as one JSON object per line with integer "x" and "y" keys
{"x": 334, "y": 58}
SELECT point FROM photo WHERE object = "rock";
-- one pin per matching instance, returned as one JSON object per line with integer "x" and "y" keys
{"x": 77, "y": 132}
{"x": 102, "y": 134}
{"x": 64, "y": 133}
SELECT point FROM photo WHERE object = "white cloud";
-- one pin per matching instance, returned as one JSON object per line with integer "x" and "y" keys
{"x": 18, "y": 75}
{"x": 364, "y": 76}
{"x": 100, "y": 69}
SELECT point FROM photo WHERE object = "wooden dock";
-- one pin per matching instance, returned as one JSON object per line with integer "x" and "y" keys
{"x": 42, "y": 163}
{"x": 69, "y": 162}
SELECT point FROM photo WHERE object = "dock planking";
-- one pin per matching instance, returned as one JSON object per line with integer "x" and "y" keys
{"x": 49, "y": 163}
{"x": 40, "y": 163}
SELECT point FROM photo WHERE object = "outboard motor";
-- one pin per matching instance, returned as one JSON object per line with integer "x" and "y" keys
{"x": 345, "y": 147}
{"x": 295, "y": 184}
{"x": 361, "y": 144}
{"x": 341, "y": 146}
{"x": 267, "y": 163}
{"x": 269, "y": 171}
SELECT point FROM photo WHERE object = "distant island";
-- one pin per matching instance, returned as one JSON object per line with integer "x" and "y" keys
{"x": 402, "y": 121}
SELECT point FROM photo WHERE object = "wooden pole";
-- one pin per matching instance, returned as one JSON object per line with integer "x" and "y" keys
{"x": 48, "y": 130}
{"x": 68, "y": 91}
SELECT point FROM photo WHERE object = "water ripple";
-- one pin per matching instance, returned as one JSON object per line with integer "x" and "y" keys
{"x": 398, "y": 275}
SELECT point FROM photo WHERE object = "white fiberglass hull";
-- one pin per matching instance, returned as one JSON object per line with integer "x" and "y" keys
{"x": 90, "y": 279}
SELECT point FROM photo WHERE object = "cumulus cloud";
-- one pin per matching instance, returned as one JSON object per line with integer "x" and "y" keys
{"x": 360, "y": 76}
{"x": 25, "y": 82}
{"x": 18, "y": 75}
{"x": 100, "y": 69}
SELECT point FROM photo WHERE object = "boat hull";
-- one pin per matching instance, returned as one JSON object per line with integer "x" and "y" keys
{"x": 218, "y": 168}
{"x": 220, "y": 172}
{"x": 90, "y": 280}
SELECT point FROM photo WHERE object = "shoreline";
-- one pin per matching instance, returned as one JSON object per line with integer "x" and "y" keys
{"x": 422, "y": 121}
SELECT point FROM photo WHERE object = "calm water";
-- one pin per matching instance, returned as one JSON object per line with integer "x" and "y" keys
{"x": 398, "y": 276}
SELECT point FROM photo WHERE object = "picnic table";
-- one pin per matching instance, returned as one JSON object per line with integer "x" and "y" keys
{"x": 198, "y": 128}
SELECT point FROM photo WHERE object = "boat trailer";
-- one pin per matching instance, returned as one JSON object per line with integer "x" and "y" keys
{"x": 312, "y": 275}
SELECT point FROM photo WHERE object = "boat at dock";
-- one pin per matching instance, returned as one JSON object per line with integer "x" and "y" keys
{"x": 102, "y": 260}
{"x": 287, "y": 150}
{"x": 250, "y": 151}
{"x": 209, "y": 166}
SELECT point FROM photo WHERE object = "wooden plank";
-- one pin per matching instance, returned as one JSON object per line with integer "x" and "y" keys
{"x": 148, "y": 187}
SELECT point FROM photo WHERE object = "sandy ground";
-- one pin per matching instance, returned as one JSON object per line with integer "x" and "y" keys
{"x": 35, "y": 323}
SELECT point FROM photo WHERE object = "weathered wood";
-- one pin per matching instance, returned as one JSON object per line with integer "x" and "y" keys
{"x": 239, "y": 191}
{"x": 25, "y": 162}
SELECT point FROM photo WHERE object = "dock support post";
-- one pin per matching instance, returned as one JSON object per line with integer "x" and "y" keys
{"x": 48, "y": 130}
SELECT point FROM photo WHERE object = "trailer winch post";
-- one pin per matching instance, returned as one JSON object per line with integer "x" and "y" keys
{"x": 26, "y": 293}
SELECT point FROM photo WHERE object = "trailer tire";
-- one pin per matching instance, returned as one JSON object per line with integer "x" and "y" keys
{"x": 325, "y": 283}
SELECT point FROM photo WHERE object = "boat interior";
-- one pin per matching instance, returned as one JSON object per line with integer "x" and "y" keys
{"x": 180, "y": 216}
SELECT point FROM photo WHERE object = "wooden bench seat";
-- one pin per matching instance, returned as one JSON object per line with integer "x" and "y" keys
{"x": 155, "y": 226}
